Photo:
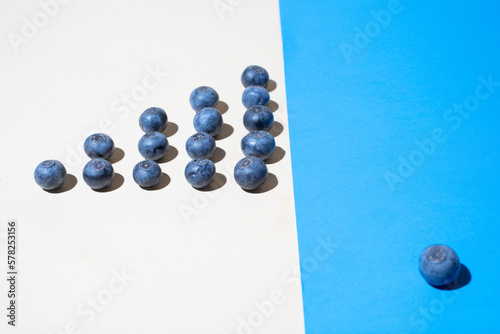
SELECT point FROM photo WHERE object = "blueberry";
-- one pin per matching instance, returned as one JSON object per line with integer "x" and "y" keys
{"x": 258, "y": 118}
{"x": 255, "y": 95}
{"x": 99, "y": 145}
{"x": 259, "y": 144}
{"x": 250, "y": 173}
{"x": 98, "y": 173}
{"x": 200, "y": 172}
{"x": 50, "y": 174}
{"x": 208, "y": 120}
{"x": 255, "y": 75}
{"x": 153, "y": 119}
{"x": 153, "y": 145}
{"x": 147, "y": 173}
{"x": 200, "y": 146}
{"x": 203, "y": 97}
{"x": 439, "y": 265}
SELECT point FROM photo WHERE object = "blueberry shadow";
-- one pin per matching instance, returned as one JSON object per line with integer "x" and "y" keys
{"x": 68, "y": 184}
{"x": 271, "y": 86}
{"x": 277, "y": 129}
{"x": 222, "y": 107}
{"x": 463, "y": 278}
{"x": 218, "y": 182}
{"x": 270, "y": 184}
{"x": 164, "y": 181}
{"x": 117, "y": 156}
{"x": 117, "y": 182}
{"x": 278, "y": 154}
{"x": 171, "y": 129}
{"x": 218, "y": 155}
{"x": 225, "y": 132}
{"x": 171, "y": 155}
{"x": 273, "y": 106}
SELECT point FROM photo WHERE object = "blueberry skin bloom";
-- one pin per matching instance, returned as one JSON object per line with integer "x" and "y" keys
{"x": 259, "y": 144}
{"x": 200, "y": 172}
{"x": 153, "y": 145}
{"x": 250, "y": 173}
{"x": 208, "y": 120}
{"x": 255, "y": 76}
{"x": 258, "y": 118}
{"x": 147, "y": 173}
{"x": 99, "y": 145}
{"x": 439, "y": 265}
{"x": 200, "y": 146}
{"x": 203, "y": 97}
{"x": 255, "y": 95}
{"x": 153, "y": 119}
{"x": 50, "y": 174}
{"x": 98, "y": 173}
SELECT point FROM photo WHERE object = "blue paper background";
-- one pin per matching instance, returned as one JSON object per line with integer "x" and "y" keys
{"x": 353, "y": 116}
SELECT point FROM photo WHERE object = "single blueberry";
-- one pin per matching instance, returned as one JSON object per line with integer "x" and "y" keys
{"x": 439, "y": 265}
{"x": 200, "y": 146}
{"x": 259, "y": 144}
{"x": 255, "y": 75}
{"x": 258, "y": 118}
{"x": 50, "y": 174}
{"x": 147, "y": 173}
{"x": 153, "y": 119}
{"x": 250, "y": 173}
{"x": 200, "y": 172}
{"x": 98, "y": 173}
{"x": 153, "y": 145}
{"x": 208, "y": 120}
{"x": 255, "y": 95}
{"x": 203, "y": 97}
{"x": 99, "y": 145}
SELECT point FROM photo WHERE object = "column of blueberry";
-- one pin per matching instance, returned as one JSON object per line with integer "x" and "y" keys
{"x": 153, "y": 146}
{"x": 98, "y": 173}
{"x": 200, "y": 172}
{"x": 258, "y": 145}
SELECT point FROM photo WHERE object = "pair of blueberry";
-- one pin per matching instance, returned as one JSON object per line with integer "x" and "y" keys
{"x": 200, "y": 172}
{"x": 207, "y": 119}
{"x": 98, "y": 173}
{"x": 258, "y": 145}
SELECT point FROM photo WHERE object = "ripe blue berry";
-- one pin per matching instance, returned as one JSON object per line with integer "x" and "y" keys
{"x": 147, "y": 173}
{"x": 255, "y": 95}
{"x": 153, "y": 145}
{"x": 208, "y": 120}
{"x": 203, "y": 97}
{"x": 98, "y": 173}
{"x": 99, "y": 145}
{"x": 200, "y": 172}
{"x": 255, "y": 75}
{"x": 258, "y": 118}
{"x": 250, "y": 173}
{"x": 200, "y": 146}
{"x": 153, "y": 119}
{"x": 439, "y": 265}
{"x": 259, "y": 144}
{"x": 50, "y": 174}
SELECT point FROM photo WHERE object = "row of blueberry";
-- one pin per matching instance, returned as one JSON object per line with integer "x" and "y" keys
{"x": 258, "y": 145}
{"x": 200, "y": 172}
{"x": 98, "y": 173}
